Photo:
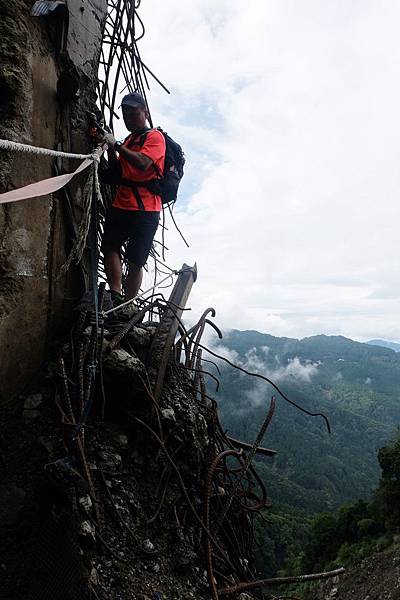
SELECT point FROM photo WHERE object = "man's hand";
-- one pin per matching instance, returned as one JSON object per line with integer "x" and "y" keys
{"x": 109, "y": 139}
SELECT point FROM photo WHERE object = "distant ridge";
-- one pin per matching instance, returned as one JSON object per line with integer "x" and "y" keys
{"x": 385, "y": 344}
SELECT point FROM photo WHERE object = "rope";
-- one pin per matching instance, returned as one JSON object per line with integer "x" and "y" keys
{"x": 107, "y": 312}
{"x": 78, "y": 248}
{"x": 91, "y": 189}
{"x": 17, "y": 147}
{"x": 93, "y": 361}
{"x": 51, "y": 184}
{"x": 97, "y": 183}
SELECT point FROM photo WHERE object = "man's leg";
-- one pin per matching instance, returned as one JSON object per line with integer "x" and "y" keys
{"x": 137, "y": 251}
{"x": 113, "y": 267}
{"x": 114, "y": 237}
{"x": 133, "y": 281}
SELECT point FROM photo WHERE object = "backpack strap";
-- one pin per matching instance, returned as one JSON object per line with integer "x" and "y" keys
{"x": 157, "y": 170}
{"x": 138, "y": 197}
{"x": 134, "y": 187}
{"x": 140, "y": 132}
{"x": 152, "y": 185}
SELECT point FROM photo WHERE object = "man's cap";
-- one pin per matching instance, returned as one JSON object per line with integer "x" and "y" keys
{"x": 135, "y": 100}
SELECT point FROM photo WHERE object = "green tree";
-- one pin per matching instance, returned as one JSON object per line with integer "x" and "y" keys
{"x": 324, "y": 542}
{"x": 387, "y": 496}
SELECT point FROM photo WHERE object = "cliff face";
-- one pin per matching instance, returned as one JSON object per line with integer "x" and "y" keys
{"x": 48, "y": 69}
{"x": 119, "y": 515}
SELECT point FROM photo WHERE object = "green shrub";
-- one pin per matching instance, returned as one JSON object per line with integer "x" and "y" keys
{"x": 368, "y": 528}
{"x": 383, "y": 542}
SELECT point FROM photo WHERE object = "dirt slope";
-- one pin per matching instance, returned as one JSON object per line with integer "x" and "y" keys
{"x": 374, "y": 578}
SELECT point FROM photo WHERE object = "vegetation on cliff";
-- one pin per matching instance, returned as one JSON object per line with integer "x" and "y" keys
{"x": 359, "y": 529}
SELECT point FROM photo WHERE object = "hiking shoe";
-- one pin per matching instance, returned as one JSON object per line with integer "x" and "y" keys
{"x": 116, "y": 298}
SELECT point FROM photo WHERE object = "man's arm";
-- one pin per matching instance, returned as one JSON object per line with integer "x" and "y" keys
{"x": 137, "y": 159}
{"x": 141, "y": 161}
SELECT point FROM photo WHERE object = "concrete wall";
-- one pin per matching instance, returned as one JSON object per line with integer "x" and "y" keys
{"x": 48, "y": 69}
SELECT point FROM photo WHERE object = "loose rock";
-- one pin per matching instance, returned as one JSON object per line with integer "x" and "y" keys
{"x": 33, "y": 401}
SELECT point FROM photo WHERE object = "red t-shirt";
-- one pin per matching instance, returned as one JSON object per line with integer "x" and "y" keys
{"x": 154, "y": 148}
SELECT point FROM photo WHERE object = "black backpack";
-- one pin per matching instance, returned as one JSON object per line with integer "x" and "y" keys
{"x": 170, "y": 179}
{"x": 166, "y": 184}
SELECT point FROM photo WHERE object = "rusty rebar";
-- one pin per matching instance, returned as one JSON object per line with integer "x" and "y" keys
{"x": 207, "y": 493}
{"x": 243, "y": 587}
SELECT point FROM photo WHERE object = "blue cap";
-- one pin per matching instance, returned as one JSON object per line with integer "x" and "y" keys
{"x": 135, "y": 100}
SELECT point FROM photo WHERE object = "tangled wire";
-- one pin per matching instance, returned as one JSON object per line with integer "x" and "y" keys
{"x": 121, "y": 67}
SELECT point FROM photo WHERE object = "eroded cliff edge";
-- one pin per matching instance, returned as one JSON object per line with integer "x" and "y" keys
{"x": 120, "y": 511}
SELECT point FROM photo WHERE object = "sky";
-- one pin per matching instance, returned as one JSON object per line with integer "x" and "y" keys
{"x": 288, "y": 113}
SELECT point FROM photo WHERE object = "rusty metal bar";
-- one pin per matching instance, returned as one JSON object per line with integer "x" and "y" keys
{"x": 243, "y": 587}
{"x": 164, "y": 337}
{"x": 245, "y": 446}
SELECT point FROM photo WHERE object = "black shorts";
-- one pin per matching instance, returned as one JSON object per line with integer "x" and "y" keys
{"x": 137, "y": 227}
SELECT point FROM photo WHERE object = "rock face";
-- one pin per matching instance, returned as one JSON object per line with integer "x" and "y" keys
{"x": 48, "y": 67}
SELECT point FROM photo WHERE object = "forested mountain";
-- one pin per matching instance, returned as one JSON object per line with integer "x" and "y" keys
{"x": 357, "y": 386}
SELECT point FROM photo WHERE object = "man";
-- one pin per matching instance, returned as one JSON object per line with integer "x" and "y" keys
{"x": 134, "y": 215}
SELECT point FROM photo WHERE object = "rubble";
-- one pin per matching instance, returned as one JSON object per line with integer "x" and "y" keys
{"x": 125, "y": 494}
{"x": 148, "y": 546}
{"x": 122, "y": 362}
{"x": 375, "y": 577}
{"x": 33, "y": 401}
{"x": 140, "y": 336}
{"x": 169, "y": 414}
{"x": 86, "y": 503}
{"x": 30, "y": 415}
{"x": 131, "y": 538}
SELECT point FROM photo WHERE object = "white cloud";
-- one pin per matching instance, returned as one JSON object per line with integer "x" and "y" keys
{"x": 255, "y": 361}
{"x": 293, "y": 371}
{"x": 222, "y": 351}
{"x": 288, "y": 113}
